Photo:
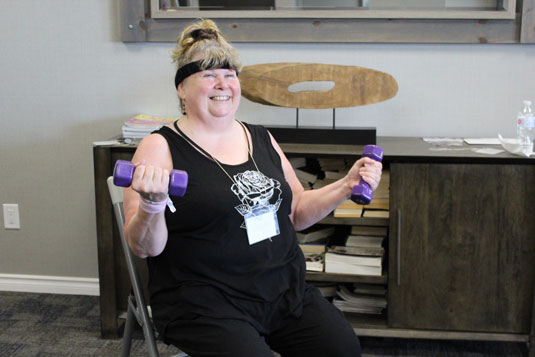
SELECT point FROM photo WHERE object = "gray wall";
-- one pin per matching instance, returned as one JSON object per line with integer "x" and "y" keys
{"x": 67, "y": 80}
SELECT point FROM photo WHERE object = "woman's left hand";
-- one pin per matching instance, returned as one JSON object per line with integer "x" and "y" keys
{"x": 366, "y": 169}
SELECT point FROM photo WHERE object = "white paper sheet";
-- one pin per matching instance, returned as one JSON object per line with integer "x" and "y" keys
{"x": 482, "y": 141}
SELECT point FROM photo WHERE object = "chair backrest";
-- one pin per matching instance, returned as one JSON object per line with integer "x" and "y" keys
{"x": 140, "y": 309}
{"x": 116, "y": 194}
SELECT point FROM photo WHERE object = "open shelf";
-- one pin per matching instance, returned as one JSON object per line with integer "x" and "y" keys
{"x": 346, "y": 278}
{"x": 359, "y": 320}
{"x": 357, "y": 221}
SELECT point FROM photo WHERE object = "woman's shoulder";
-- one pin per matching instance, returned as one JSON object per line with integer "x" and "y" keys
{"x": 151, "y": 142}
{"x": 154, "y": 150}
{"x": 166, "y": 133}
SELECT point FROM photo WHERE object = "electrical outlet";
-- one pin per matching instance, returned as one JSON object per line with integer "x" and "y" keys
{"x": 11, "y": 216}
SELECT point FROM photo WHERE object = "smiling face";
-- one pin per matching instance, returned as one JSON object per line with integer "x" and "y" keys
{"x": 211, "y": 93}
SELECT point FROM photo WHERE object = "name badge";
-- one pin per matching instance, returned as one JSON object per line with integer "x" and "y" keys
{"x": 261, "y": 223}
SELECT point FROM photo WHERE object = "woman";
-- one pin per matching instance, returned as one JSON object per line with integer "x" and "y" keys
{"x": 227, "y": 277}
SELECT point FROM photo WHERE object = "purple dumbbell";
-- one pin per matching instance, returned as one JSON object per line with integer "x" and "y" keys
{"x": 124, "y": 172}
{"x": 362, "y": 193}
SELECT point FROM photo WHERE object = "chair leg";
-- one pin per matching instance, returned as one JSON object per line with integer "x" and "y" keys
{"x": 128, "y": 329}
{"x": 150, "y": 339}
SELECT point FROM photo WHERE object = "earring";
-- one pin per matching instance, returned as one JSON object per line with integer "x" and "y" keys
{"x": 183, "y": 106}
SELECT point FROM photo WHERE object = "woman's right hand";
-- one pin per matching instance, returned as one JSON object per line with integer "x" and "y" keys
{"x": 152, "y": 183}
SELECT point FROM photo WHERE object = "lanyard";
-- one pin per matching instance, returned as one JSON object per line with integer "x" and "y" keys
{"x": 195, "y": 145}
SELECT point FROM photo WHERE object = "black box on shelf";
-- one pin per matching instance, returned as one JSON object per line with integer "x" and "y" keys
{"x": 324, "y": 135}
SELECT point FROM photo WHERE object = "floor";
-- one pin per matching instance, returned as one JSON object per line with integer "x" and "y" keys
{"x": 69, "y": 325}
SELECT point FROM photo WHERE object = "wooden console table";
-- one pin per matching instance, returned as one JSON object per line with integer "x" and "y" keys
{"x": 461, "y": 242}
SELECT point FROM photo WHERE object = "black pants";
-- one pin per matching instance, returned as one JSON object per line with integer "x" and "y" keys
{"x": 322, "y": 331}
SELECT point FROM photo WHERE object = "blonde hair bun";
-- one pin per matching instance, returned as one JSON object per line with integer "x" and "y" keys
{"x": 203, "y": 41}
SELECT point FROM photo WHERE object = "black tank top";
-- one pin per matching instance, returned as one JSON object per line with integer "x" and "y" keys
{"x": 208, "y": 266}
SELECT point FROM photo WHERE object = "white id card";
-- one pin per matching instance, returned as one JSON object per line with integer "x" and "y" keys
{"x": 261, "y": 223}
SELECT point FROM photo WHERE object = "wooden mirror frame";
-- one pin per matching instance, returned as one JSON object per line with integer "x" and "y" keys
{"x": 138, "y": 24}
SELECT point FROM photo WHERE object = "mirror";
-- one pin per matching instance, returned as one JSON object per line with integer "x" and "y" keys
{"x": 333, "y": 5}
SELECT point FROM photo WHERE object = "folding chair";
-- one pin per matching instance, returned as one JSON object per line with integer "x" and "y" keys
{"x": 137, "y": 308}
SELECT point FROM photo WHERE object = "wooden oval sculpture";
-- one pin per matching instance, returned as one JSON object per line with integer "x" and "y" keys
{"x": 268, "y": 84}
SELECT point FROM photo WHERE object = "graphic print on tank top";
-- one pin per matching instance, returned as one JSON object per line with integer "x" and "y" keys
{"x": 254, "y": 188}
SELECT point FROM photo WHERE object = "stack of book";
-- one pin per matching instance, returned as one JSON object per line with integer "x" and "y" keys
{"x": 348, "y": 209}
{"x": 362, "y": 254}
{"x": 365, "y": 241}
{"x": 336, "y": 164}
{"x": 376, "y": 231}
{"x": 371, "y": 238}
{"x": 313, "y": 242}
{"x": 378, "y": 207}
{"x": 315, "y": 234}
{"x": 344, "y": 260}
{"x": 306, "y": 171}
{"x": 314, "y": 256}
{"x": 142, "y": 125}
{"x": 332, "y": 170}
{"x": 316, "y": 173}
{"x": 348, "y": 301}
{"x": 306, "y": 177}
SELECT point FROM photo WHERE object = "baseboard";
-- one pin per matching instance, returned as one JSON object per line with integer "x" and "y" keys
{"x": 49, "y": 284}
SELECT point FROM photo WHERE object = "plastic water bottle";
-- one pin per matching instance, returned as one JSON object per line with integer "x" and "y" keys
{"x": 526, "y": 128}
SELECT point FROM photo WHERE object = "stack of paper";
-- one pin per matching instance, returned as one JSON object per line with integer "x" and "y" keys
{"x": 350, "y": 302}
{"x": 142, "y": 125}
{"x": 353, "y": 264}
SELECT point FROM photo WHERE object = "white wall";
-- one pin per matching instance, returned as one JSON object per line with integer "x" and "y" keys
{"x": 67, "y": 80}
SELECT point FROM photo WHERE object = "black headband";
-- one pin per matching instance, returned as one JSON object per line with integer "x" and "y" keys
{"x": 193, "y": 67}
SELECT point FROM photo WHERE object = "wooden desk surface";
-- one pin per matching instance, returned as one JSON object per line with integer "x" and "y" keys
{"x": 397, "y": 149}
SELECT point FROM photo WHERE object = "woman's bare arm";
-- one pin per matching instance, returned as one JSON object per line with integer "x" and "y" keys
{"x": 146, "y": 233}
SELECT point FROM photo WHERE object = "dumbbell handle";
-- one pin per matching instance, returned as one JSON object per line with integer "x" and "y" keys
{"x": 124, "y": 172}
{"x": 362, "y": 193}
